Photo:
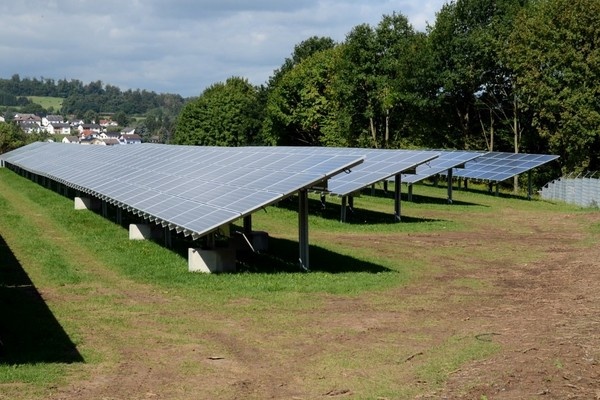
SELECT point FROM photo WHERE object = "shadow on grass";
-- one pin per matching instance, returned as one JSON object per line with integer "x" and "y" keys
{"x": 282, "y": 257}
{"x": 482, "y": 188}
{"x": 354, "y": 216}
{"x": 417, "y": 198}
{"x": 28, "y": 330}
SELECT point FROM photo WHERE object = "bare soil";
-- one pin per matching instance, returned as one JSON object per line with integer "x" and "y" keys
{"x": 540, "y": 302}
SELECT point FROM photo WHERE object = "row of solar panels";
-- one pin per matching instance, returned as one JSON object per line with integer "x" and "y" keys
{"x": 193, "y": 190}
{"x": 197, "y": 189}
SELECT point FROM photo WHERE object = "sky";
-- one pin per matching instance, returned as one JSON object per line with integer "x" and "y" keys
{"x": 177, "y": 46}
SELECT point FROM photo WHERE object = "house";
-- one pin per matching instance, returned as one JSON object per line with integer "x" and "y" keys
{"x": 76, "y": 122}
{"x": 52, "y": 119}
{"x": 58, "y": 128}
{"x": 108, "y": 122}
{"x": 27, "y": 118}
{"x": 128, "y": 131}
{"x": 111, "y": 142}
{"x": 30, "y": 127}
{"x": 95, "y": 128}
{"x": 71, "y": 139}
{"x": 109, "y": 135}
{"x": 130, "y": 139}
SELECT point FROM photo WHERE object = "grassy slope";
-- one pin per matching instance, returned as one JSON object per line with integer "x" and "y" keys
{"x": 87, "y": 264}
{"x": 47, "y": 102}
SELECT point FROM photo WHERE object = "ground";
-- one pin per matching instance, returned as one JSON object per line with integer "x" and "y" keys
{"x": 536, "y": 296}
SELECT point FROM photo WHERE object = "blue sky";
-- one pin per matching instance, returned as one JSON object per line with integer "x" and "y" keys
{"x": 176, "y": 46}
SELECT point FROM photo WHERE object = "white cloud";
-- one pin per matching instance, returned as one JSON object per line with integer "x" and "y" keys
{"x": 178, "y": 46}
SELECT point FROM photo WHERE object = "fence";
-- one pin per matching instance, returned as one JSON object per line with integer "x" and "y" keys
{"x": 582, "y": 190}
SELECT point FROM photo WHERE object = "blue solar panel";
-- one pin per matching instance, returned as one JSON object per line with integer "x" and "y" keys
{"x": 187, "y": 188}
{"x": 499, "y": 166}
{"x": 447, "y": 159}
{"x": 379, "y": 164}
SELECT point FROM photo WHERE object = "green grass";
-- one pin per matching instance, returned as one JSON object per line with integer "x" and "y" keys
{"x": 47, "y": 102}
{"x": 48, "y": 251}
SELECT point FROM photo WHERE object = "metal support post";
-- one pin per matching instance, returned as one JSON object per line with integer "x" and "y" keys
{"x": 351, "y": 203}
{"x": 303, "y": 228}
{"x": 248, "y": 225}
{"x": 410, "y": 191}
{"x": 343, "y": 209}
{"x": 397, "y": 188}
{"x": 529, "y": 185}
{"x": 169, "y": 239}
{"x": 450, "y": 185}
{"x": 323, "y": 201}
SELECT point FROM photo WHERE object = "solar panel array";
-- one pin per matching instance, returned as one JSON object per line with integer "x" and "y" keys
{"x": 447, "y": 159}
{"x": 190, "y": 189}
{"x": 499, "y": 166}
{"x": 379, "y": 165}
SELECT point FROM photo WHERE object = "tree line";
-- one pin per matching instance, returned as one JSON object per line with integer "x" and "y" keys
{"x": 89, "y": 101}
{"x": 80, "y": 98}
{"x": 502, "y": 75}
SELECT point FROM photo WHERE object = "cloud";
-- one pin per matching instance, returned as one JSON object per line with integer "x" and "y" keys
{"x": 178, "y": 46}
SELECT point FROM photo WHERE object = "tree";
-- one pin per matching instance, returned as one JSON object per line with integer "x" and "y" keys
{"x": 225, "y": 114}
{"x": 11, "y": 137}
{"x": 303, "y": 109}
{"x": 90, "y": 117}
{"x": 358, "y": 83}
{"x": 121, "y": 118}
{"x": 555, "y": 52}
{"x": 380, "y": 78}
{"x": 463, "y": 61}
{"x": 303, "y": 50}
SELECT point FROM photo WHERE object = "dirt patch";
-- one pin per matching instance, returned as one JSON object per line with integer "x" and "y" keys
{"x": 534, "y": 291}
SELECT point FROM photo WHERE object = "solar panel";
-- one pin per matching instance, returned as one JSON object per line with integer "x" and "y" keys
{"x": 379, "y": 165}
{"x": 190, "y": 189}
{"x": 446, "y": 160}
{"x": 500, "y": 166}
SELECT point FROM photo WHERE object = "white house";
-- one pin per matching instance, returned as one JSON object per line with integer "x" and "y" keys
{"x": 130, "y": 139}
{"x": 58, "y": 128}
{"x": 109, "y": 135}
{"x": 52, "y": 119}
{"x": 71, "y": 139}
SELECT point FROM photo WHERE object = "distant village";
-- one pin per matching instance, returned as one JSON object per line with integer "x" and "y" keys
{"x": 103, "y": 133}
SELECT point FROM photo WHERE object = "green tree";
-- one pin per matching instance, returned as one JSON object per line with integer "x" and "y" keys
{"x": 90, "y": 117}
{"x": 301, "y": 51}
{"x": 225, "y": 114}
{"x": 121, "y": 118}
{"x": 464, "y": 63}
{"x": 303, "y": 109}
{"x": 357, "y": 83}
{"x": 555, "y": 52}
{"x": 382, "y": 79}
{"x": 11, "y": 137}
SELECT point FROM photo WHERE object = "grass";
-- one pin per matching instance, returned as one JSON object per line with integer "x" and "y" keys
{"x": 48, "y": 102}
{"x": 74, "y": 290}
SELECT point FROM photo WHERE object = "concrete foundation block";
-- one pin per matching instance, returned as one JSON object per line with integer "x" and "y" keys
{"x": 140, "y": 232}
{"x": 209, "y": 261}
{"x": 83, "y": 203}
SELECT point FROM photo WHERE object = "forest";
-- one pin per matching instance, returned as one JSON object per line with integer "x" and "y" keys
{"x": 501, "y": 75}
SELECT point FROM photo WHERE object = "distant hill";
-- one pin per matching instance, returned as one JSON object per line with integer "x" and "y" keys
{"x": 75, "y": 97}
